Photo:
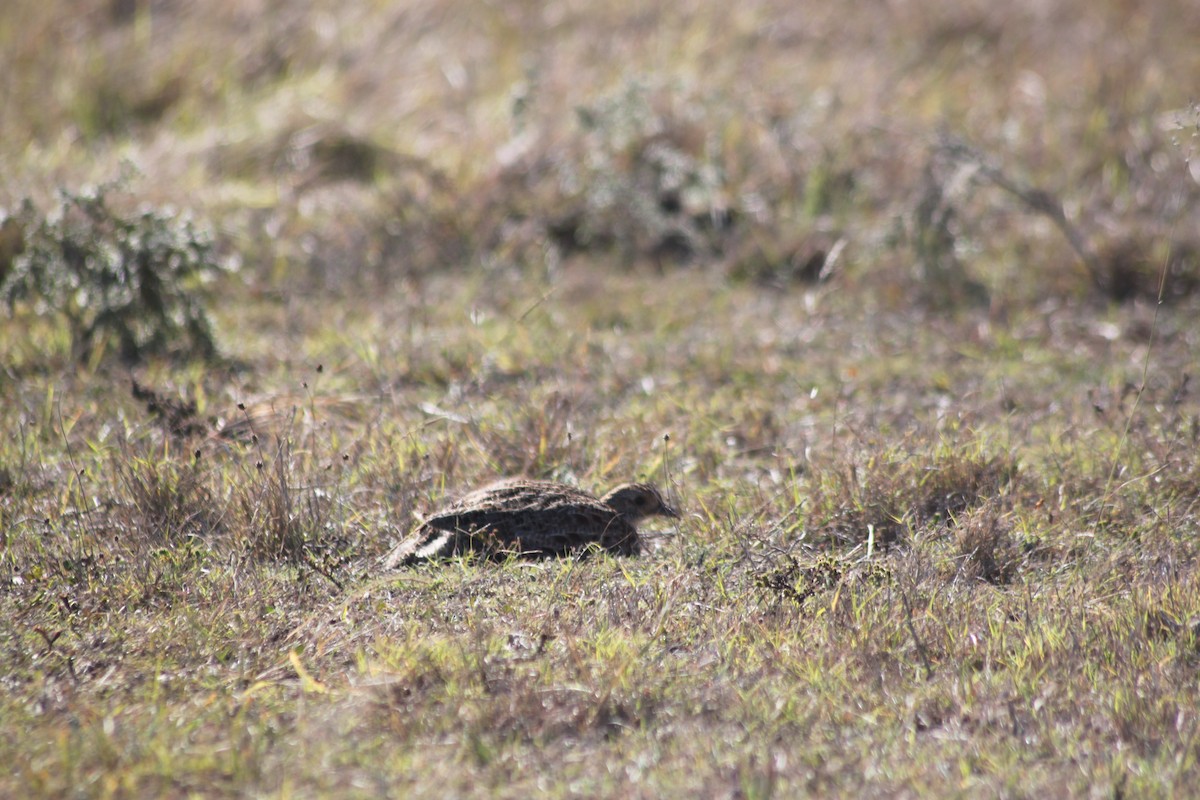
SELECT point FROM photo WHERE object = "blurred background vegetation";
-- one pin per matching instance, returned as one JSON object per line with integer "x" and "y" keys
{"x": 940, "y": 152}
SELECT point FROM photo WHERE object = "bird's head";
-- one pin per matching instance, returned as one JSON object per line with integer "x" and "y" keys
{"x": 636, "y": 501}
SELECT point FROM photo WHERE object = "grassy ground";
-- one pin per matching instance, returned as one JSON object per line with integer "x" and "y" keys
{"x": 898, "y": 301}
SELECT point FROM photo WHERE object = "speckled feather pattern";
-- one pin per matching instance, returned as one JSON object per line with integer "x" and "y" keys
{"x": 532, "y": 519}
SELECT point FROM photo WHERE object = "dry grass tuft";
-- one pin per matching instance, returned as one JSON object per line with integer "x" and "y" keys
{"x": 900, "y": 493}
{"x": 989, "y": 551}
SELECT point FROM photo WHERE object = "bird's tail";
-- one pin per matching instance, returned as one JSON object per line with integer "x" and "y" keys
{"x": 422, "y": 545}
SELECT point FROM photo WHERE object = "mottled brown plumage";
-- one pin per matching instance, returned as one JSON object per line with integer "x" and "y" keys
{"x": 532, "y": 519}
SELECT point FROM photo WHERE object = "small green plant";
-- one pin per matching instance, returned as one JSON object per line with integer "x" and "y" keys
{"x": 133, "y": 283}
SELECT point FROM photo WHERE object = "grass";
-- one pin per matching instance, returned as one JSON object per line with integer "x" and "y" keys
{"x": 899, "y": 305}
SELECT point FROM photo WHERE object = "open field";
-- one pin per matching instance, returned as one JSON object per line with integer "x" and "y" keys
{"x": 899, "y": 302}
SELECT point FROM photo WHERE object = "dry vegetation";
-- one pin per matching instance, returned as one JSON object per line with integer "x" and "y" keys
{"x": 899, "y": 300}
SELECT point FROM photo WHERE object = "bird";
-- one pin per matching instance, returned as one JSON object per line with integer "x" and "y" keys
{"x": 532, "y": 519}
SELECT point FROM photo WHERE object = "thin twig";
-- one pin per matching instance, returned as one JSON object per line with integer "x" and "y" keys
{"x": 921, "y": 651}
{"x": 1037, "y": 199}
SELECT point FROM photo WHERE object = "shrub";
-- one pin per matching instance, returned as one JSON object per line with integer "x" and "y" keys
{"x": 129, "y": 282}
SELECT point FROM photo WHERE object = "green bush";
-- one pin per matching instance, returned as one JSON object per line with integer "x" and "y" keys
{"x": 133, "y": 284}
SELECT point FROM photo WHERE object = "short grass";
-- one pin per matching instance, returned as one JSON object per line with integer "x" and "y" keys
{"x": 898, "y": 302}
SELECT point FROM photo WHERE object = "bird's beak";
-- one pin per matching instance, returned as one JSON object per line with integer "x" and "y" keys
{"x": 669, "y": 511}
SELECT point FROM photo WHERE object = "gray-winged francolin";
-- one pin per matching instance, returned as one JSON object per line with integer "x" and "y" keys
{"x": 532, "y": 519}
